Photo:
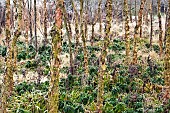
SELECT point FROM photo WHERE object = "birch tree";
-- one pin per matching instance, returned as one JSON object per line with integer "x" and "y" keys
{"x": 167, "y": 53}
{"x": 82, "y": 33}
{"x": 53, "y": 95}
{"x": 127, "y": 29}
{"x": 160, "y": 28}
{"x": 7, "y": 86}
{"x": 136, "y": 34}
{"x": 103, "y": 57}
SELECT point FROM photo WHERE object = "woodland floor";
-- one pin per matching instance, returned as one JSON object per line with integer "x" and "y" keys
{"x": 117, "y": 29}
{"x": 82, "y": 99}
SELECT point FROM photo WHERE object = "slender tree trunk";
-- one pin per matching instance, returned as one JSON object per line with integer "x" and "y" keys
{"x": 136, "y": 35}
{"x": 77, "y": 35}
{"x": 96, "y": 19}
{"x": 15, "y": 23}
{"x": 16, "y": 30}
{"x": 100, "y": 16}
{"x": 147, "y": 14}
{"x": 127, "y": 29}
{"x": 7, "y": 24}
{"x": 17, "y": 33}
{"x": 165, "y": 27}
{"x": 9, "y": 63}
{"x": 12, "y": 17}
{"x": 70, "y": 47}
{"x": 92, "y": 37}
{"x": 30, "y": 21}
{"x": 151, "y": 18}
{"x": 135, "y": 11}
{"x": 103, "y": 57}
{"x": 85, "y": 24}
{"x": 26, "y": 25}
{"x": 35, "y": 25}
{"x": 55, "y": 69}
{"x": 0, "y": 23}
{"x": 69, "y": 34}
{"x": 7, "y": 86}
{"x": 160, "y": 28}
{"x": 130, "y": 10}
{"x": 167, "y": 53}
{"x": 141, "y": 30}
{"x": 45, "y": 23}
{"x": 83, "y": 38}
{"x": 116, "y": 15}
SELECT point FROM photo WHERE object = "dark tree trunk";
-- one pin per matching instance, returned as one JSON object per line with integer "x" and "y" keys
{"x": 45, "y": 23}
{"x": 30, "y": 20}
{"x": 35, "y": 24}
{"x": 151, "y": 18}
{"x": 160, "y": 28}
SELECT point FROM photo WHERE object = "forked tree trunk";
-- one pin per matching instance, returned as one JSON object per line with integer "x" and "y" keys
{"x": 103, "y": 57}
{"x": 136, "y": 34}
{"x": 53, "y": 95}
{"x": 160, "y": 28}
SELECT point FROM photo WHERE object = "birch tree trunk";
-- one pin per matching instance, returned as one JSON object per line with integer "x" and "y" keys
{"x": 77, "y": 35}
{"x": 82, "y": 33}
{"x": 7, "y": 86}
{"x": 127, "y": 30}
{"x": 167, "y": 53}
{"x": 166, "y": 27}
{"x": 103, "y": 57}
{"x": 53, "y": 94}
{"x": 17, "y": 32}
{"x": 136, "y": 34}
{"x": 69, "y": 35}
{"x": 160, "y": 28}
